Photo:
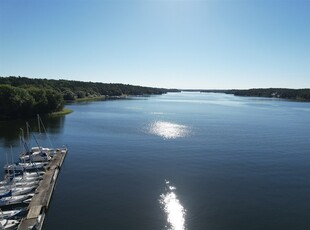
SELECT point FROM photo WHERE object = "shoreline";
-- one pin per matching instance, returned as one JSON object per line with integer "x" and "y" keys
{"x": 63, "y": 112}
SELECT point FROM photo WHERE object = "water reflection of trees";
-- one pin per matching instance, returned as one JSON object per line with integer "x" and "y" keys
{"x": 10, "y": 131}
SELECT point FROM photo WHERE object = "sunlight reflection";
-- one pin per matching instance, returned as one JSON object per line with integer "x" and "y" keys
{"x": 157, "y": 113}
{"x": 168, "y": 130}
{"x": 173, "y": 208}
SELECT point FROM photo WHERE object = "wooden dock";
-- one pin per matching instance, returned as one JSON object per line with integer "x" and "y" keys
{"x": 41, "y": 200}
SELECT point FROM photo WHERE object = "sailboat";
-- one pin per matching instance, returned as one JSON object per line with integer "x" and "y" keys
{"x": 14, "y": 199}
{"x": 5, "y": 193}
{"x": 11, "y": 213}
{"x": 35, "y": 157}
{"x": 8, "y": 224}
{"x": 20, "y": 179}
{"x": 36, "y": 154}
{"x": 14, "y": 191}
{"x": 21, "y": 167}
{"x": 20, "y": 184}
{"x": 25, "y": 166}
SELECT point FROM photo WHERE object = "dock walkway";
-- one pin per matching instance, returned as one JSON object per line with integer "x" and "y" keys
{"x": 40, "y": 201}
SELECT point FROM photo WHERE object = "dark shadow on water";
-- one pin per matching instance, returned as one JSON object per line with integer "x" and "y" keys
{"x": 10, "y": 130}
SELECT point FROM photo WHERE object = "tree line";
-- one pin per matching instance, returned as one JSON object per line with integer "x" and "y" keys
{"x": 18, "y": 102}
{"x": 26, "y": 97}
{"x": 292, "y": 94}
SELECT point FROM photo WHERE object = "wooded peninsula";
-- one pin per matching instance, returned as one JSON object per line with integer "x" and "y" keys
{"x": 26, "y": 97}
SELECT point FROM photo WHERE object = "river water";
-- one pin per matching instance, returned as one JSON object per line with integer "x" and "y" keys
{"x": 178, "y": 161}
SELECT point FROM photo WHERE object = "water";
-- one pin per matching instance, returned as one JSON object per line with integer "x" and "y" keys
{"x": 179, "y": 161}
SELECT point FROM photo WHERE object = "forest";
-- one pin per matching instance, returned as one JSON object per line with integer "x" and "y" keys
{"x": 292, "y": 94}
{"x": 26, "y": 97}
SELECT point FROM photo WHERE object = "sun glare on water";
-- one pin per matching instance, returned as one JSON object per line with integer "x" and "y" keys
{"x": 172, "y": 207}
{"x": 168, "y": 130}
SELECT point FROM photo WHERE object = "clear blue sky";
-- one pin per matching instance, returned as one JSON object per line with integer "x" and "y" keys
{"x": 162, "y": 43}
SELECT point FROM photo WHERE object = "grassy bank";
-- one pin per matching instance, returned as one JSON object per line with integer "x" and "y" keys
{"x": 61, "y": 113}
{"x": 90, "y": 99}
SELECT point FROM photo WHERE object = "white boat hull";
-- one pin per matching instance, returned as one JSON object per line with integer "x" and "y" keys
{"x": 8, "y": 224}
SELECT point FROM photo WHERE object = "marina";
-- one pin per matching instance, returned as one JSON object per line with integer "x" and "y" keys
{"x": 28, "y": 185}
{"x": 41, "y": 200}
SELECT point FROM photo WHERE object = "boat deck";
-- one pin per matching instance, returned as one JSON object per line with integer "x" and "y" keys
{"x": 41, "y": 200}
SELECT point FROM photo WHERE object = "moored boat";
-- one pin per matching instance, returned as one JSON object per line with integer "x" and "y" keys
{"x": 26, "y": 183}
{"x": 15, "y": 191}
{"x": 13, "y": 199}
{"x": 21, "y": 179}
{"x": 8, "y": 224}
{"x": 11, "y": 213}
{"x": 35, "y": 157}
{"x": 5, "y": 193}
{"x": 24, "y": 166}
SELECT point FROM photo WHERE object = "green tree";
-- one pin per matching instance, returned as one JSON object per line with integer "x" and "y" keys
{"x": 81, "y": 94}
{"x": 41, "y": 102}
{"x": 55, "y": 100}
{"x": 15, "y": 102}
{"x": 68, "y": 95}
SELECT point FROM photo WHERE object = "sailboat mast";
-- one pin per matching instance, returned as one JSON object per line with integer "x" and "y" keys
{"x": 44, "y": 129}
{"x": 23, "y": 137}
{"x": 28, "y": 133}
{"x": 12, "y": 161}
{"x": 7, "y": 163}
{"x": 38, "y": 116}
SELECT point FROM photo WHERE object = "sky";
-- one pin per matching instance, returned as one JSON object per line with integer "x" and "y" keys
{"x": 184, "y": 44}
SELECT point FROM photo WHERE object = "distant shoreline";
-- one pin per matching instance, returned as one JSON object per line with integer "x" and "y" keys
{"x": 300, "y": 95}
